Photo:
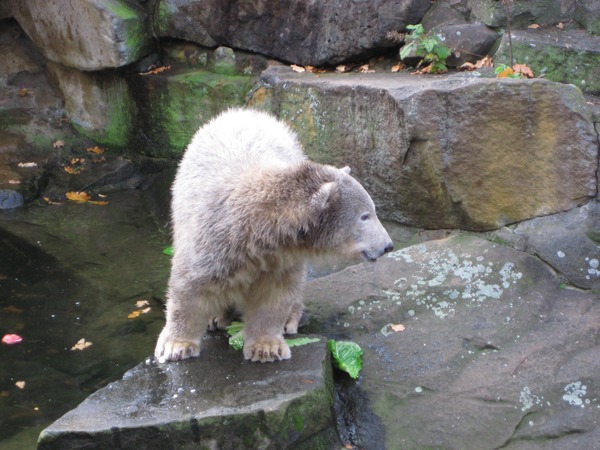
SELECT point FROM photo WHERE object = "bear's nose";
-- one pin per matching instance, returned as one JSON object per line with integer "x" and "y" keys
{"x": 389, "y": 248}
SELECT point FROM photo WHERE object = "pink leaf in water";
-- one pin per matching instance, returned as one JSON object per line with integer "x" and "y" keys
{"x": 10, "y": 339}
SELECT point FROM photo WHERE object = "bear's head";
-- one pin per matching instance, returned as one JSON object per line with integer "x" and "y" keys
{"x": 347, "y": 222}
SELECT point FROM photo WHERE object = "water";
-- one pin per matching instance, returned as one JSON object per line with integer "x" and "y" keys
{"x": 69, "y": 272}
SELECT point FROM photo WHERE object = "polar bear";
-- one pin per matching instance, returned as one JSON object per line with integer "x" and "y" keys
{"x": 248, "y": 210}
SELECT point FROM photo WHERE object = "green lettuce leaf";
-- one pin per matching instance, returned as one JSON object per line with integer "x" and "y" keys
{"x": 346, "y": 356}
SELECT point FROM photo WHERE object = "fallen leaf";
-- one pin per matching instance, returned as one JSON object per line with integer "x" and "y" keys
{"x": 27, "y": 164}
{"x": 560, "y": 25}
{"x": 98, "y": 160}
{"x": 533, "y": 26}
{"x": 81, "y": 344}
{"x": 50, "y": 202}
{"x": 308, "y": 381}
{"x": 141, "y": 303}
{"x": 11, "y": 339}
{"x": 398, "y": 67}
{"x": 20, "y": 384}
{"x": 486, "y": 61}
{"x": 58, "y": 144}
{"x": 365, "y": 69}
{"x": 23, "y": 92}
{"x": 79, "y": 197}
{"x": 313, "y": 69}
{"x": 298, "y": 69}
{"x": 74, "y": 170}
{"x": 138, "y": 313}
{"x": 341, "y": 68}
{"x": 467, "y": 66}
{"x": 524, "y": 70}
{"x": 83, "y": 197}
{"x": 398, "y": 327}
{"x": 96, "y": 150}
{"x": 155, "y": 70}
{"x": 505, "y": 73}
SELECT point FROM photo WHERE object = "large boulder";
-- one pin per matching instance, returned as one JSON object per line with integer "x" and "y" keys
{"x": 299, "y": 31}
{"x": 467, "y": 345}
{"x": 453, "y": 151}
{"x": 90, "y": 35}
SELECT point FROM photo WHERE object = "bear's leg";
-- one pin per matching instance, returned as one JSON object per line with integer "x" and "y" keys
{"x": 187, "y": 316}
{"x": 294, "y": 316}
{"x": 271, "y": 306}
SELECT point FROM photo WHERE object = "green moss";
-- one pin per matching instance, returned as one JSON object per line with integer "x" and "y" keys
{"x": 180, "y": 103}
{"x": 581, "y": 68}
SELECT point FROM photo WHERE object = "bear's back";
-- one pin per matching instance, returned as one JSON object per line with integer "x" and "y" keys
{"x": 240, "y": 141}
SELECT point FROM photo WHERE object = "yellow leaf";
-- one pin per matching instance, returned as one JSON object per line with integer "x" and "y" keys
{"x": 298, "y": 69}
{"x": 81, "y": 344}
{"x": 505, "y": 73}
{"x": 23, "y": 92}
{"x": 134, "y": 314}
{"x": 533, "y": 26}
{"x": 341, "y": 68}
{"x": 83, "y": 197}
{"x": 79, "y": 197}
{"x": 96, "y": 150}
{"x": 560, "y": 25}
{"x": 20, "y": 384}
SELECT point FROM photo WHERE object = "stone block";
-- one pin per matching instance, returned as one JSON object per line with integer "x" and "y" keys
{"x": 214, "y": 401}
{"x": 450, "y": 151}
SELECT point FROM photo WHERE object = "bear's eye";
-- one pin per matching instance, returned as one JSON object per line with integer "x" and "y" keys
{"x": 365, "y": 217}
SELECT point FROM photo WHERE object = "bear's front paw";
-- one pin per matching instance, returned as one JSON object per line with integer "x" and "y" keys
{"x": 169, "y": 349}
{"x": 267, "y": 349}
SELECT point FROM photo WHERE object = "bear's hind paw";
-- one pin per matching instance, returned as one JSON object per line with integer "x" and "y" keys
{"x": 174, "y": 350}
{"x": 267, "y": 349}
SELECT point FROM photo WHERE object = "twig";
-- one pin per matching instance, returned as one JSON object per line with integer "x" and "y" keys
{"x": 507, "y": 3}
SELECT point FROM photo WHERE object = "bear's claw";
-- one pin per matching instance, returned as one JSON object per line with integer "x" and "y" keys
{"x": 267, "y": 349}
{"x": 174, "y": 350}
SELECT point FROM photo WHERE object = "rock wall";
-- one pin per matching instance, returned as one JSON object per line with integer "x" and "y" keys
{"x": 452, "y": 151}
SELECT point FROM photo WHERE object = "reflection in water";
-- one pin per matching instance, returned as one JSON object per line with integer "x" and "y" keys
{"x": 69, "y": 272}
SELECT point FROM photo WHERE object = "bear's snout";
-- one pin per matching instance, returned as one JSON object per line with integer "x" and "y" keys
{"x": 388, "y": 248}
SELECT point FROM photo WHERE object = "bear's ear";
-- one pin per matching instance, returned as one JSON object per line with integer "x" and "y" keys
{"x": 320, "y": 198}
{"x": 346, "y": 170}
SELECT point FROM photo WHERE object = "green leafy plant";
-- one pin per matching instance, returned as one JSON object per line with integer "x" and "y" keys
{"x": 347, "y": 356}
{"x": 168, "y": 251}
{"x": 430, "y": 48}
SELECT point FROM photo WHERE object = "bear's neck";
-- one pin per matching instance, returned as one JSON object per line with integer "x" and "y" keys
{"x": 278, "y": 204}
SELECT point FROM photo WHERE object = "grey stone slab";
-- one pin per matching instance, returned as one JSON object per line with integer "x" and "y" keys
{"x": 215, "y": 401}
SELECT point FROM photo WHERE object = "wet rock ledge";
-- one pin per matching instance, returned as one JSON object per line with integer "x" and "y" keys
{"x": 215, "y": 401}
